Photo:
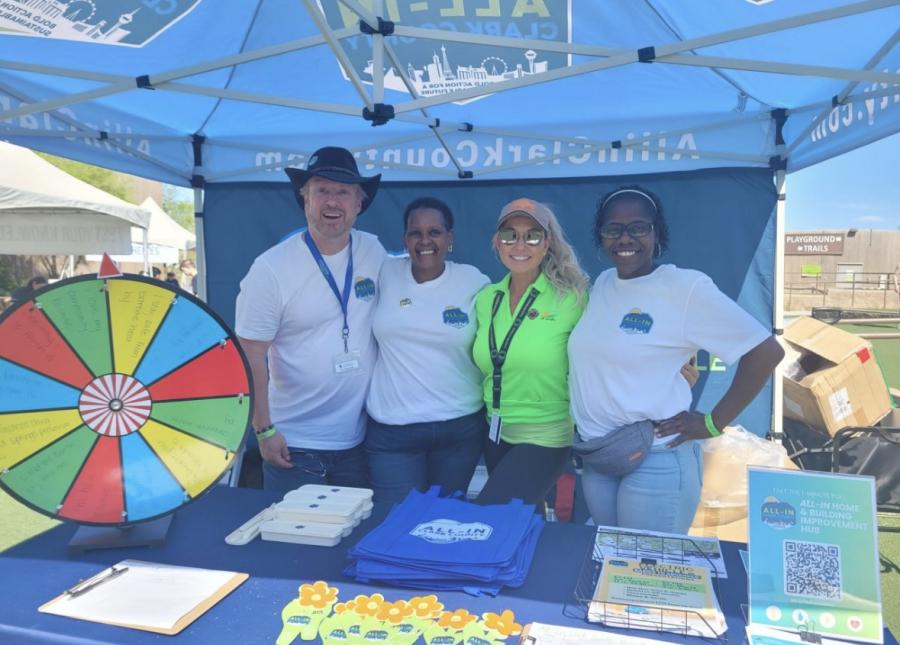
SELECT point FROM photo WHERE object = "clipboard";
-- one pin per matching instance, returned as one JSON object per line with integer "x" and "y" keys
{"x": 128, "y": 593}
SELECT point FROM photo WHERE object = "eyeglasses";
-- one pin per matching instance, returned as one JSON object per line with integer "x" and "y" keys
{"x": 614, "y": 231}
{"x": 509, "y": 236}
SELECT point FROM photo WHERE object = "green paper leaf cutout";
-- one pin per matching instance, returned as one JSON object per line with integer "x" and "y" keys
{"x": 437, "y": 635}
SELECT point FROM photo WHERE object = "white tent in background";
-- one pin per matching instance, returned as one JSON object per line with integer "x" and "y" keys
{"x": 46, "y": 211}
{"x": 164, "y": 230}
{"x": 166, "y": 239}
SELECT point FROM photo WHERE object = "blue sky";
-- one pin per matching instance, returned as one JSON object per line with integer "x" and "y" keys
{"x": 858, "y": 189}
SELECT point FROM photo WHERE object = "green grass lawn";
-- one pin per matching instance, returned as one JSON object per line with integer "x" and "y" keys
{"x": 20, "y": 523}
{"x": 887, "y": 350}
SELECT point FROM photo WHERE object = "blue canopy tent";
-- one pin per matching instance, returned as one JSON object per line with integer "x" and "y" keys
{"x": 709, "y": 104}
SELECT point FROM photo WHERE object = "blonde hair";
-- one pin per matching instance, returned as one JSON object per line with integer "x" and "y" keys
{"x": 560, "y": 264}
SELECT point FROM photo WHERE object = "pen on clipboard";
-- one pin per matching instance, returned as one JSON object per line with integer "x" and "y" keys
{"x": 86, "y": 585}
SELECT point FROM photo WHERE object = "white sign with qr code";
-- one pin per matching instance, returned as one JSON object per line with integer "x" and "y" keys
{"x": 812, "y": 570}
{"x": 840, "y": 404}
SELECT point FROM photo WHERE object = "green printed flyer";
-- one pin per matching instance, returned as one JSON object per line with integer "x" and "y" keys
{"x": 656, "y": 595}
{"x": 814, "y": 553}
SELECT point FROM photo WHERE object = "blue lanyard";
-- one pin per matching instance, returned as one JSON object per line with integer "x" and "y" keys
{"x": 342, "y": 297}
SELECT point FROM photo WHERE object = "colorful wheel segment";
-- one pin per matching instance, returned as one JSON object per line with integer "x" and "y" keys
{"x": 121, "y": 400}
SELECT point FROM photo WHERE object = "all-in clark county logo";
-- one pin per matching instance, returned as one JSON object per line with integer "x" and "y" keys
{"x": 446, "y": 531}
{"x": 778, "y": 514}
{"x": 131, "y": 23}
{"x": 436, "y": 67}
{"x": 636, "y": 322}
{"x": 455, "y": 317}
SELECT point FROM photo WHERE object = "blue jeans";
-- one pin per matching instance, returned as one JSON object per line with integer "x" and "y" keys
{"x": 660, "y": 495}
{"x": 421, "y": 455}
{"x": 334, "y": 467}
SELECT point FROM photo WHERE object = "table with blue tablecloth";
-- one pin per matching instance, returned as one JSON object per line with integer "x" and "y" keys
{"x": 40, "y": 569}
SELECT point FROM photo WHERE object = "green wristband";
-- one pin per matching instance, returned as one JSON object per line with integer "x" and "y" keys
{"x": 266, "y": 432}
{"x": 710, "y": 426}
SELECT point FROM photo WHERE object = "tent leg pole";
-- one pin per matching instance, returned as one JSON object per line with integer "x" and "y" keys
{"x": 201, "y": 244}
{"x": 778, "y": 309}
{"x": 146, "y": 240}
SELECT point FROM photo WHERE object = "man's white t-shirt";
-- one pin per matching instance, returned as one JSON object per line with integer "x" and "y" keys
{"x": 285, "y": 300}
{"x": 425, "y": 333}
{"x": 626, "y": 352}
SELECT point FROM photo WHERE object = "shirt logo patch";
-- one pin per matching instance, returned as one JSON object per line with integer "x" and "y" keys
{"x": 636, "y": 322}
{"x": 447, "y": 531}
{"x": 455, "y": 317}
{"x": 364, "y": 288}
{"x": 533, "y": 313}
{"x": 405, "y": 302}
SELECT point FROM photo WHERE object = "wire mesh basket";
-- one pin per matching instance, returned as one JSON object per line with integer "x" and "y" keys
{"x": 642, "y": 547}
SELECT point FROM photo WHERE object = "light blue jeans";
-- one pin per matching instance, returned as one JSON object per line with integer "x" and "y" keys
{"x": 660, "y": 495}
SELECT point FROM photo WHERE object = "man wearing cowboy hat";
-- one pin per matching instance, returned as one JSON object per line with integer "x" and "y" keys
{"x": 304, "y": 319}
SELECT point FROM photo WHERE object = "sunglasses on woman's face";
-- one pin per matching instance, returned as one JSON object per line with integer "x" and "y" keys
{"x": 509, "y": 236}
{"x": 614, "y": 231}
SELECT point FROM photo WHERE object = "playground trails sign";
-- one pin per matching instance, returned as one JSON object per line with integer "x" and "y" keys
{"x": 814, "y": 244}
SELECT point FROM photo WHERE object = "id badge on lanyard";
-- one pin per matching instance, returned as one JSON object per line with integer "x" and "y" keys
{"x": 498, "y": 356}
{"x": 349, "y": 361}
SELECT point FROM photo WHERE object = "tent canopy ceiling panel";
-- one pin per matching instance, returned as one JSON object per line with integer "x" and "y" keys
{"x": 498, "y": 89}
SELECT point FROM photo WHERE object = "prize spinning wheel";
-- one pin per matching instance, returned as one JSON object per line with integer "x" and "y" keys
{"x": 121, "y": 400}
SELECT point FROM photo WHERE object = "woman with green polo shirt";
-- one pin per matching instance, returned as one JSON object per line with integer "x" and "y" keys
{"x": 524, "y": 322}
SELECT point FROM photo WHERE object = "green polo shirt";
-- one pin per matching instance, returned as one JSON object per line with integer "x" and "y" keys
{"x": 534, "y": 401}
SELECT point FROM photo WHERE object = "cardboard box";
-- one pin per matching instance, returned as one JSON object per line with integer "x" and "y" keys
{"x": 836, "y": 381}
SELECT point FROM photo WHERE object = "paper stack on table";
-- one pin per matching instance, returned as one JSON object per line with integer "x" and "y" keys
{"x": 659, "y": 596}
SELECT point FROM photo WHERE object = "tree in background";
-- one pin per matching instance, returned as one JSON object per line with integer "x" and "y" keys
{"x": 179, "y": 207}
{"x": 106, "y": 180}
{"x": 15, "y": 270}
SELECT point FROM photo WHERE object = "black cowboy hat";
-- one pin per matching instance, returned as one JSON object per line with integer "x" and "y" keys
{"x": 336, "y": 164}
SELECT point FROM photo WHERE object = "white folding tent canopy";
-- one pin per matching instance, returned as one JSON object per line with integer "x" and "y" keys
{"x": 166, "y": 239}
{"x": 164, "y": 230}
{"x": 46, "y": 211}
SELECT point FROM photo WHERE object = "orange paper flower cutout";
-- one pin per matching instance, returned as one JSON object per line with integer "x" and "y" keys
{"x": 394, "y": 612}
{"x": 368, "y": 605}
{"x": 426, "y": 606}
{"x": 456, "y": 619}
{"x": 505, "y": 623}
{"x": 341, "y": 607}
{"x": 318, "y": 595}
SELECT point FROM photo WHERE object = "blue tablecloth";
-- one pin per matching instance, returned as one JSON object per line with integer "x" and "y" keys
{"x": 40, "y": 569}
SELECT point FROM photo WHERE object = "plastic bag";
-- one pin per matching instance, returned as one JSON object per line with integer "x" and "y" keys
{"x": 723, "y": 500}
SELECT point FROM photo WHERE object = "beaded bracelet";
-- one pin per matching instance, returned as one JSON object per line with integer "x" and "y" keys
{"x": 710, "y": 426}
{"x": 265, "y": 433}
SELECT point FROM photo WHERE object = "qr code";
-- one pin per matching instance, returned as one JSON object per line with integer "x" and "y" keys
{"x": 812, "y": 570}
